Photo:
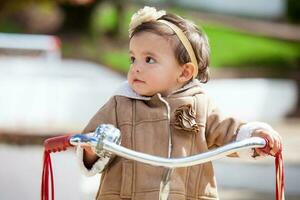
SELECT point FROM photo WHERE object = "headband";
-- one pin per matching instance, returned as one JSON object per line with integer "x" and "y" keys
{"x": 186, "y": 43}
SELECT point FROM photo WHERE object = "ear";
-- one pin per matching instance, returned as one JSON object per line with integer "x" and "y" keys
{"x": 187, "y": 71}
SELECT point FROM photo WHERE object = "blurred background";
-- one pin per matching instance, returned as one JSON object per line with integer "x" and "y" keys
{"x": 61, "y": 60}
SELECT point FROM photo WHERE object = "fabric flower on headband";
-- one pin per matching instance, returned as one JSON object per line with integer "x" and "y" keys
{"x": 146, "y": 14}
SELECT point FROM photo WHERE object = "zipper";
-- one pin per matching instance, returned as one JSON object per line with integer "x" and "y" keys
{"x": 165, "y": 182}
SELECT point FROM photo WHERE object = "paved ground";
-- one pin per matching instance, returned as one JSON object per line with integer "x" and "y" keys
{"x": 242, "y": 194}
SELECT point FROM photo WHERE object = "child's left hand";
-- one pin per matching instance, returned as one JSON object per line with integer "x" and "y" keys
{"x": 275, "y": 141}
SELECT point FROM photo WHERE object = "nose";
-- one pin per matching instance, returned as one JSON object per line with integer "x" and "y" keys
{"x": 136, "y": 67}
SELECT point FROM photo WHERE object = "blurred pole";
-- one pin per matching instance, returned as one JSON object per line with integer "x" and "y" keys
{"x": 119, "y": 6}
{"x": 77, "y": 18}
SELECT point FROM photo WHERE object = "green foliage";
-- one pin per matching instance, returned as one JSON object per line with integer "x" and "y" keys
{"x": 231, "y": 48}
{"x": 104, "y": 19}
{"x": 8, "y": 26}
{"x": 118, "y": 60}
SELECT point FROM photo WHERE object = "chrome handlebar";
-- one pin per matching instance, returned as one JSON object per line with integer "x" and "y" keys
{"x": 106, "y": 139}
{"x": 109, "y": 141}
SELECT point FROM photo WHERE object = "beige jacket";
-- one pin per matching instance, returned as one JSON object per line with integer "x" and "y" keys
{"x": 183, "y": 124}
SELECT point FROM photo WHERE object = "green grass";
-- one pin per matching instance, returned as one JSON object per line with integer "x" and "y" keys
{"x": 231, "y": 48}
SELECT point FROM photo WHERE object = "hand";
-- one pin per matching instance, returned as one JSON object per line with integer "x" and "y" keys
{"x": 88, "y": 150}
{"x": 275, "y": 141}
{"x": 89, "y": 156}
{"x": 102, "y": 132}
{"x": 87, "y": 147}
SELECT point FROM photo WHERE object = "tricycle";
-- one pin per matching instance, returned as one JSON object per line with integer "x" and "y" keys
{"x": 106, "y": 139}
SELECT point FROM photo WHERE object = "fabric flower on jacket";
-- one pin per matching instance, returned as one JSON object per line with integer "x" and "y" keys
{"x": 185, "y": 118}
{"x": 146, "y": 14}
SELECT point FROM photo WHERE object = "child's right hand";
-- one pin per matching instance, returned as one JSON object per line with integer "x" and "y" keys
{"x": 88, "y": 150}
{"x": 89, "y": 156}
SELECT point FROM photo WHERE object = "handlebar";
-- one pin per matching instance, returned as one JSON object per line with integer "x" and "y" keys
{"x": 254, "y": 142}
{"x": 106, "y": 138}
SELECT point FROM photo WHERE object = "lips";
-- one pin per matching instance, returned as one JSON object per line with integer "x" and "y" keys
{"x": 138, "y": 81}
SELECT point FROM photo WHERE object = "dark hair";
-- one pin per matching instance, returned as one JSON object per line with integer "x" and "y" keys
{"x": 196, "y": 37}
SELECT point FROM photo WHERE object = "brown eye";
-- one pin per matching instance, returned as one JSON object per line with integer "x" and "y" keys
{"x": 132, "y": 59}
{"x": 149, "y": 60}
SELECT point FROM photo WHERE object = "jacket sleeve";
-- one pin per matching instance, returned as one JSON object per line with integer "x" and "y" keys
{"x": 106, "y": 115}
{"x": 221, "y": 130}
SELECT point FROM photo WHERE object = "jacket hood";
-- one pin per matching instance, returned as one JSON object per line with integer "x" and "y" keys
{"x": 192, "y": 88}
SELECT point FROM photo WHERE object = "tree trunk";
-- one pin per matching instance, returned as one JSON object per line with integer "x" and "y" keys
{"x": 77, "y": 17}
{"x": 116, "y": 31}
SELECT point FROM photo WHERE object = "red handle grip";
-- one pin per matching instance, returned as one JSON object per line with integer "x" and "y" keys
{"x": 59, "y": 143}
{"x": 266, "y": 148}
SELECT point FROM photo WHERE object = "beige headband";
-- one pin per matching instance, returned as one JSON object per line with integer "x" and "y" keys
{"x": 186, "y": 43}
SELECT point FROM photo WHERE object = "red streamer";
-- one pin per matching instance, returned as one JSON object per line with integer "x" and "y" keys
{"x": 54, "y": 144}
{"x": 279, "y": 176}
{"x": 279, "y": 170}
{"x": 47, "y": 168}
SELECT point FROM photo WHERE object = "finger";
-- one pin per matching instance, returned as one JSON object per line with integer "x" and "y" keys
{"x": 266, "y": 135}
{"x": 278, "y": 145}
{"x": 275, "y": 149}
{"x": 88, "y": 149}
{"x": 260, "y": 152}
{"x": 278, "y": 139}
{"x": 258, "y": 133}
{"x": 85, "y": 145}
{"x": 270, "y": 145}
{"x": 270, "y": 140}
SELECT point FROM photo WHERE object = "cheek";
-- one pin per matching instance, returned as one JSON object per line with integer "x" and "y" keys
{"x": 129, "y": 73}
{"x": 153, "y": 75}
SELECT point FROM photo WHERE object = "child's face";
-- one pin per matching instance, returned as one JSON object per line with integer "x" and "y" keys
{"x": 154, "y": 68}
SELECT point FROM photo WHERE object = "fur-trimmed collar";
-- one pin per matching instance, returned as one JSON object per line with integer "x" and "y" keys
{"x": 126, "y": 91}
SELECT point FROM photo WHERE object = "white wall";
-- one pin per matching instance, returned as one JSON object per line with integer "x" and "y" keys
{"x": 254, "y": 8}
